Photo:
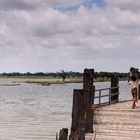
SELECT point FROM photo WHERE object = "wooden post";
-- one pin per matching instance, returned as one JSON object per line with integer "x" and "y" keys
{"x": 138, "y": 91}
{"x": 109, "y": 96}
{"x": 78, "y": 124}
{"x": 63, "y": 134}
{"x": 56, "y": 136}
{"x": 82, "y": 113}
{"x": 114, "y": 83}
{"x": 99, "y": 98}
{"x": 88, "y": 89}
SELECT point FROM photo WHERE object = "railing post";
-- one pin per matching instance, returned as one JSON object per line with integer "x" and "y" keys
{"x": 114, "y": 83}
{"x": 99, "y": 98}
{"x": 109, "y": 96}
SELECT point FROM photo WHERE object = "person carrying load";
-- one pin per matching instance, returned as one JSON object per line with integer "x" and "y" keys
{"x": 133, "y": 81}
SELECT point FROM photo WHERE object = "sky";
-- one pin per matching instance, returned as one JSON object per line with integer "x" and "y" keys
{"x": 49, "y": 35}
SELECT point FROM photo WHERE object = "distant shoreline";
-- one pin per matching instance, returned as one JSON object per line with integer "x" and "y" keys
{"x": 47, "y": 81}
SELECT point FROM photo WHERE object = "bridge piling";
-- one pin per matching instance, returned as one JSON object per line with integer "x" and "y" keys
{"x": 114, "y": 83}
{"x": 82, "y": 113}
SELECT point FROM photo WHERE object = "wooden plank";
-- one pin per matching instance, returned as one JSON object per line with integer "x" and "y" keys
{"x": 106, "y": 88}
{"x": 106, "y": 95}
{"x": 117, "y": 122}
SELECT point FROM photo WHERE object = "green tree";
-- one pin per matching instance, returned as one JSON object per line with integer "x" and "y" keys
{"x": 63, "y": 74}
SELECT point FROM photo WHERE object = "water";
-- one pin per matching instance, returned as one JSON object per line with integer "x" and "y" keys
{"x": 30, "y": 111}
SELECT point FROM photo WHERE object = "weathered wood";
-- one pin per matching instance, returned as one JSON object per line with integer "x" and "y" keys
{"x": 114, "y": 83}
{"x": 82, "y": 113}
{"x": 117, "y": 122}
{"x": 63, "y": 135}
{"x": 89, "y": 96}
{"x": 56, "y": 136}
{"x": 139, "y": 91}
{"x": 99, "y": 93}
{"x": 78, "y": 122}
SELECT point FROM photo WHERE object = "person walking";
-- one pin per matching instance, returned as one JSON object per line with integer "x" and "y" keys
{"x": 134, "y": 90}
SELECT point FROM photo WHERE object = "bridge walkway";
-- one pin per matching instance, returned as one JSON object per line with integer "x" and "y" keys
{"x": 117, "y": 122}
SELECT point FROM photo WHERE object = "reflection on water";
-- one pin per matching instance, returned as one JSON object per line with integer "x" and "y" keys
{"x": 31, "y": 111}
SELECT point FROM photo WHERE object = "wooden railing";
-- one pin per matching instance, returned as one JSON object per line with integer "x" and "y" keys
{"x": 103, "y": 96}
{"x": 106, "y": 93}
{"x": 83, "y": 99}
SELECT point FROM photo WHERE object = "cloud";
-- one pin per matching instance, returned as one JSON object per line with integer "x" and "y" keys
{"x": 15, "y": 4}
{"x": 64, "y": 2}
{"x": 123, "y": 4}
{"x": 36, "y": 36}
{"x": 36, "y": 4}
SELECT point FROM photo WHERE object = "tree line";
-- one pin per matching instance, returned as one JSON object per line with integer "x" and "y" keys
{"x": 52, "y": 74}
{"x": 65, "y": 74}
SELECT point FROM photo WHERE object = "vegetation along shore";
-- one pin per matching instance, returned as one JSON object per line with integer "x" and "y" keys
{"x": 46, "y": 79}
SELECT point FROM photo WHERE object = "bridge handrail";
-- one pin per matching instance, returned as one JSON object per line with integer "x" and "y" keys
{"x": 99, "y": 91}
{"x": 107, "y": 88}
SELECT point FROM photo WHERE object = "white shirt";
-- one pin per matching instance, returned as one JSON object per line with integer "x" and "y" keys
{"x": 134, "y": 84}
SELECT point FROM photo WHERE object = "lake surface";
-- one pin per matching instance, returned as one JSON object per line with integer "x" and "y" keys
{"x": 35, "y": 112}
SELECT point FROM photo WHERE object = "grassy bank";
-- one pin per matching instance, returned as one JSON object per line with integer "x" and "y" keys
{"x": 48, "y": 80}
{"x": 9, "y": 85}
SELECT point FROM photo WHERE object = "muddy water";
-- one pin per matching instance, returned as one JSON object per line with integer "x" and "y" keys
{"x": 35, "y": 112}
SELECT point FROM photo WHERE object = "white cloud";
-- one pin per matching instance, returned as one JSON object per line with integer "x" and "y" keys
{"x": 124, "y": 3}
{"x": 48, "y": 39}
{"x": 65, "y": 2}
{"x": 36, "y": 4}
{"x": 126, "y": 18}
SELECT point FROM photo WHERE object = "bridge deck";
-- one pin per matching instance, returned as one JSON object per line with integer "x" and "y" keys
{"x": 117, "y": 122}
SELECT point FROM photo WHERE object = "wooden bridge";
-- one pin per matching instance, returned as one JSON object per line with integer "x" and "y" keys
{"x": 116, "y": 122}
{"x": 104, "y": 118}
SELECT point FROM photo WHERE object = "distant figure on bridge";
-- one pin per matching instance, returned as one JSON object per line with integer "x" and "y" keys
{"x": 133, "y": 81}
{"x": 134, "y": 72}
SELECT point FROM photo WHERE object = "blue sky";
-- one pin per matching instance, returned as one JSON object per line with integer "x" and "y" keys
{"x": 97, "y": 2}
{"x": 49, "y": 35}
{"x": 86, "y": 3}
